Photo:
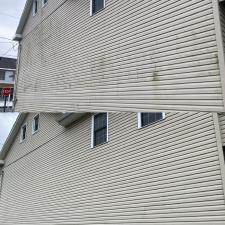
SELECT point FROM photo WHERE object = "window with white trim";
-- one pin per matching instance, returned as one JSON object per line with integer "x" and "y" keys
{"x": 44, "y": 2}
{"x": 23, "y": 133}
{"x": 145, "y": 119}
{"x": 35, "y": 124}
{"x": 35, "y": 7}
{"x": 99, "y": 129}
{"x": 96, "y": 6}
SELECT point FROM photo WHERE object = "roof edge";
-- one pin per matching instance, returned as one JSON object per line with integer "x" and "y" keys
{"x": 23, "y": 19}
{"x": 68, "y": 118}
{"x": 12, "y": 135}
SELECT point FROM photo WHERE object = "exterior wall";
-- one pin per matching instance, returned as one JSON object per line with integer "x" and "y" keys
{"x": 167, "y": 173}
{"x": 133, "y": 55}
{"x": 222, "y": 17}
{"x": 222, "y": 127}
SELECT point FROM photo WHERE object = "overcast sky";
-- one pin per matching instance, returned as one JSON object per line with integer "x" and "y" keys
{"x": 10, "y": 12}
{"x": 6, "y": 122}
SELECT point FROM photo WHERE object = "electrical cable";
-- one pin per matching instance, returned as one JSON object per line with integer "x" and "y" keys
{"x": 5, "y": 14}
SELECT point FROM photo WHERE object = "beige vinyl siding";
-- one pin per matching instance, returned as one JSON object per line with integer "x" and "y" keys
{"x": 222, "y": 18}
{"x": 131, "y": 56}
{"x": 46, "y": 132}
{"x": 164, "y": 174}
{"x": 222, "y": 127}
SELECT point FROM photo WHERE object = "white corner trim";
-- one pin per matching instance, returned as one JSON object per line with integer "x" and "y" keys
{"x": 91, "y": 7}
{"x": 21, "y": 132}
{"x": 92, "y": 130}
{"x": 33, "y": 125}
{"x": 107, "y": 129}
{"x": 139, "y": 120}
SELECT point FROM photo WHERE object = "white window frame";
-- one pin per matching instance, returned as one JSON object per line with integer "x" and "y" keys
{"x": 44, "y": 4}
{"x": 91, "y": 7}
{"x": 92, "y": 129}
{"x": 35, "y": 13}
{"x": 33, "y": 124}
{"x": 139, "y": 119}
{"x": 21, "y": 133}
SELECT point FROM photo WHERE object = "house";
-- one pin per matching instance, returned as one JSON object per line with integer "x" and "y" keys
{"x": 105, "y": 55}
{"x": 114, "y": 168}
{"x": 7, "y": 80}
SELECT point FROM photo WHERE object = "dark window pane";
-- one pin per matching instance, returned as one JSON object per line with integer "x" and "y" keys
{"x": 24, "y": 130}
{"x": 36, "y": 123}
{"x": 97, "y": 5}
{"x": 100, "y": 128}
{"x": 35, "y": 6}
{"x": 2, "y": 74}
{"x": 148, "y": 118}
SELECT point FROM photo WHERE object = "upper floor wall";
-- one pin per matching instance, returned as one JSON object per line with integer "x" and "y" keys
{"x": 131, "y": 56}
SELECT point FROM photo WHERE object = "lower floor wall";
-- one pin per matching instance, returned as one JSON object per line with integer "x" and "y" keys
{"x": 168, "y": 173}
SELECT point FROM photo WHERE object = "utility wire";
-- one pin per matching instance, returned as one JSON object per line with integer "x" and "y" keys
{"x": 5, "y": 38}
{"x": 5, "y": 14}
{"x": 12, "y": 48}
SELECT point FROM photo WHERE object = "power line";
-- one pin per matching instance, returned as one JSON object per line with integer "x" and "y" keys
{"x": 5, "y": 14}
{"x": 5, "y": 38}
{"x": 12, "y": 48}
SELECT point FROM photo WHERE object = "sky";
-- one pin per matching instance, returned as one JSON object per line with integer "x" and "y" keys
{"x": 6, "y": 122}
{"x": 10, "y": 12}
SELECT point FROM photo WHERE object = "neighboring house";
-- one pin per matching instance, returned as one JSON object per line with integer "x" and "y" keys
{"x": 115, "y": 168}
{"x": 105, "y": 55}
{"x": 7, "y": 80}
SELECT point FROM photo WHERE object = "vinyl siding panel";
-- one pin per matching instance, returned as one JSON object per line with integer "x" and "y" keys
{"x": 166, "y": 173}
{"x": 133, "y": 55}
{"x": 222, "y": 127}
{"x": 222, "y": 19}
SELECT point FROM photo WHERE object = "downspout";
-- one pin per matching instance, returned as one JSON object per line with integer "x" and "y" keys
{"x": 17, "y": 75}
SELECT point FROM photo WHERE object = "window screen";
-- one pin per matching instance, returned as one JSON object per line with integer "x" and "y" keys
{"x": 36, "y": 123}
{"x": 97, "y": 5}
{"x": 100, "y": 128}
{"x": 148, "y": 118}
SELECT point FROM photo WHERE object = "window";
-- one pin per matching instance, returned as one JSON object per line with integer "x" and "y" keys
{"x": 2, "y": 75}
{"x": 145, "y": 119}
{"x": 35, "y": 124}
{"x": 96, "y": 5}
{"x": 99, "y": 129}
{"x": 23, "y": 132}
{"x": 224, "y": 153}
{"x": 44, "y": 2}
{"x": 35, "y": 7}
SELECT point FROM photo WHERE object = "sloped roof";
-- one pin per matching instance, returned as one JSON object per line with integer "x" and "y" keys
{"x": 15, "y": 129}
{"x": 24, "y": 16}
{"x": 65, "y": 120}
